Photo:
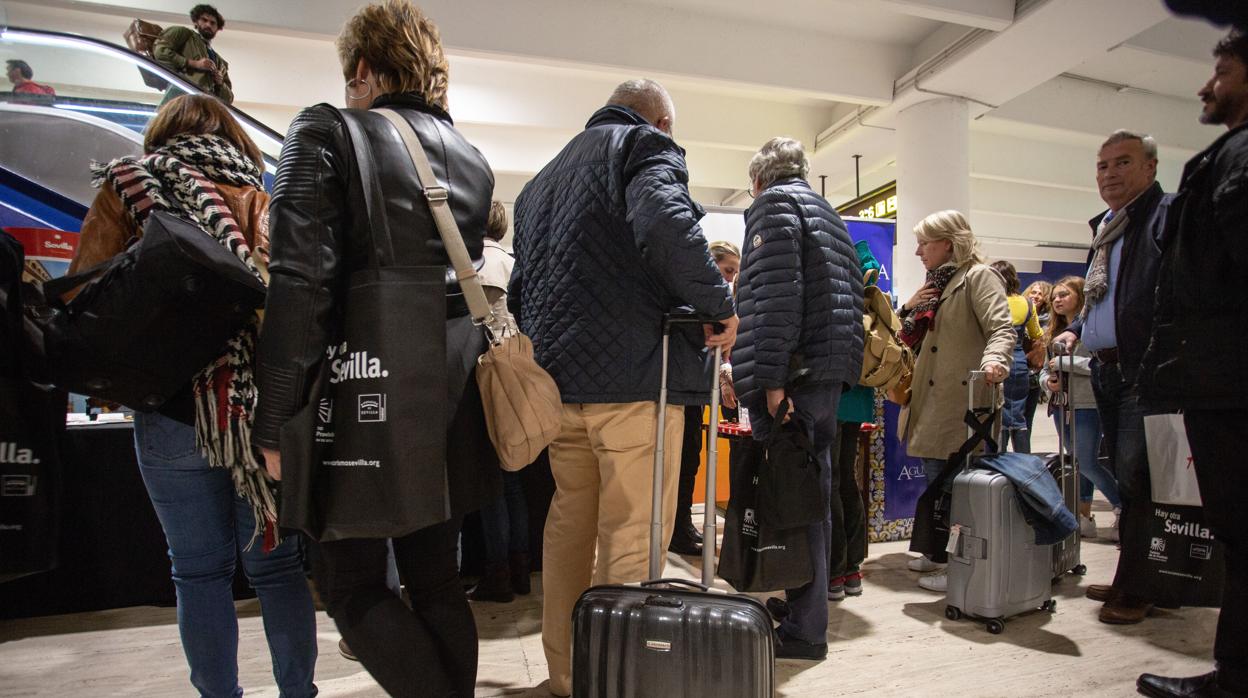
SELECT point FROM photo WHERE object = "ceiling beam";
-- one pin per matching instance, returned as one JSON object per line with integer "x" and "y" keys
{"x": 1098, "y": 110}
{"x": 659, "y": 42}
{"x": 994, "y": 15}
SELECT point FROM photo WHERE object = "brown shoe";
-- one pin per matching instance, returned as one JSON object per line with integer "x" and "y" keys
{"x": 1100, "y": 592}
{"x": 1124, "y": 610}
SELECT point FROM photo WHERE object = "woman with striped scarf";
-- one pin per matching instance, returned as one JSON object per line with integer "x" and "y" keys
{"x": 210, "y": 491}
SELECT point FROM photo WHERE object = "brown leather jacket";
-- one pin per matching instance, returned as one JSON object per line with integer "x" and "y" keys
{"x": 108, "y": 226}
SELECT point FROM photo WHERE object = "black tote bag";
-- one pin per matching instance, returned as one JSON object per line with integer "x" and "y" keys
{"x": 789, "y": 491}
{"x": 32, "y": 424}
{"x": 366, "y": 458}
{"x": 1184, "y": 565}
{"x": 756, "y": 557}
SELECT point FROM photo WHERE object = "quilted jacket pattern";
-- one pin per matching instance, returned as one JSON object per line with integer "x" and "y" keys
{"x": 799, "y": 294}
{"x": 607, "y": 241}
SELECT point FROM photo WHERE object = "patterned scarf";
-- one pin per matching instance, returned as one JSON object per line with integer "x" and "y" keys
{"x": 923, "y": 316}
{"x": 1097, "y": 286}
{"x": 179, "y": 178}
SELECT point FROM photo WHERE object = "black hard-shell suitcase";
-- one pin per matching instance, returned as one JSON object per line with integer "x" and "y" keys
{"x": 668, "y": 638}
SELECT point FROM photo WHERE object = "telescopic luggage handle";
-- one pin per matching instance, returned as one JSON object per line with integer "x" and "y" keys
{"x": 974, "y": 423}
{"x": 712, "y": 437}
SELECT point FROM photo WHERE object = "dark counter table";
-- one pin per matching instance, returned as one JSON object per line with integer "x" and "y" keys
{"x": 113, "y": 551}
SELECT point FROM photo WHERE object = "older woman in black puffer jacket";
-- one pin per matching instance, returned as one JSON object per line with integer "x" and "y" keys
{"x": 799, "y": 295}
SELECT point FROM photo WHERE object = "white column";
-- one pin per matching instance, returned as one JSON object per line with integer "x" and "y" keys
{"x": 933, "y": 174}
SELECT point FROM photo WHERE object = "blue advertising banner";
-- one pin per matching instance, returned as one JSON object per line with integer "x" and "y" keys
{"x": 896, "y": 481}
{"x": 879, "y": 235}
{"x": 904, "y": 480}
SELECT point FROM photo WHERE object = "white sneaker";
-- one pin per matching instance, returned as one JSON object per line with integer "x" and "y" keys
{"x": 1113, "y": 530}
{"x": 1087, "y": 526}
{"x": 923, "y": 564}
{"x": 936, "y": 581}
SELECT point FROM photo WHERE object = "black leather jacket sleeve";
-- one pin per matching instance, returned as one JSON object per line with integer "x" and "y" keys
{"x": 308, "y": 225}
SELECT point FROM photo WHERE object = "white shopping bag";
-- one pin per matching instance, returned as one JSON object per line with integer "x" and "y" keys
{"x": 1170, "y": 466}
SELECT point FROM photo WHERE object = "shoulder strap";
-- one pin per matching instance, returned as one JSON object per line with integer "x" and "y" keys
{"x": 374, "y": 200}
{"x": 439, "y": 206}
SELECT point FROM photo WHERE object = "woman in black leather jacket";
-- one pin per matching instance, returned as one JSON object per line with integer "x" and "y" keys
{"x": 391, "y": 57}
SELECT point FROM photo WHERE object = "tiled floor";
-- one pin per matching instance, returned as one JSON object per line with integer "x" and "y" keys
{"x": 892, "y": 641}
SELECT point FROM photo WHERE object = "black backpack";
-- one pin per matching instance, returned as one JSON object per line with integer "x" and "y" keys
{"x": 147, "y": 320}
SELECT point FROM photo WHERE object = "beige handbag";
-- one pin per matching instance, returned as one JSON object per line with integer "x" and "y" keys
{"x": 522, "y": 404}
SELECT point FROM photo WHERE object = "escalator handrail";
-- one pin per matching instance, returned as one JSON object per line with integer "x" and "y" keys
{"x": 144, "y": 62}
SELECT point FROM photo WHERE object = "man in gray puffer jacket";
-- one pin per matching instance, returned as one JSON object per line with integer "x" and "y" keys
{"x": 607, "y": 241}
{"x": 800, "y": 298}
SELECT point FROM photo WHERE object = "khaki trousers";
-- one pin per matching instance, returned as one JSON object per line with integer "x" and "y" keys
{"x": 603, "y": 464}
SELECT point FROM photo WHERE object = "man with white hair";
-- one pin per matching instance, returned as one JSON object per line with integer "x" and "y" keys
{"x": 800, "y": 296}
{"x": 607, "y": 242}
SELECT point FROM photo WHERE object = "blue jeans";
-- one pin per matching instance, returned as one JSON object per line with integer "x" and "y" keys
{"x": 207, "y": 527}
{"x": 1091, "y": 472}
{"x": 1014, "y": 411}
{"x": 505, "y": 521}
{"x": 814, "y": 408}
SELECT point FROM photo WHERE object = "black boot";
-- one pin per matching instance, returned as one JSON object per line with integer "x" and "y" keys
{"x": 691, "y": 530}
{"x": 520, "y": 582}
{"x": 682, "y": 542}
{"x": 494, "y": 585}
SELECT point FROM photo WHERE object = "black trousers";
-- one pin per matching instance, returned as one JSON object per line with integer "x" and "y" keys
{"x": 847, "y": 543}
{"x": 1216, "y": 438}
{"x": 690, "y": 461}
{"x": 429, "y": 649}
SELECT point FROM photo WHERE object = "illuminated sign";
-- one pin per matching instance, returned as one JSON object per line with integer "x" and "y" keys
{"x": 881, "y": 203}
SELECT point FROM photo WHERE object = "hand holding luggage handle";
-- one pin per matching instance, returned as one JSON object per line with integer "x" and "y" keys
{"x": 712, "y": 437}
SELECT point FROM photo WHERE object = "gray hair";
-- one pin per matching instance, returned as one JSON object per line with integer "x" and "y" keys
{"x": 779, "y": 158}
{"x": 646, "y": 97}
{"x": 1122, "y": 134}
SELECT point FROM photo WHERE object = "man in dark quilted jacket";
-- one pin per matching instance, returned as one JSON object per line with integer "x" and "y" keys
{"x": 607, "y": 242}
{"x": 800, "y": 294}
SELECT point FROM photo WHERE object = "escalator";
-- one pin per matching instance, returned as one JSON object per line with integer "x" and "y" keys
{"x": 102, "y": 105}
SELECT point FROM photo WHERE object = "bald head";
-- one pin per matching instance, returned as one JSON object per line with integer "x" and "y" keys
{"x": 647, "y": 98}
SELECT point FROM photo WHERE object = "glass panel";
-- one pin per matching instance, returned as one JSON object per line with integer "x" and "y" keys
{"x": 104, "y": 81}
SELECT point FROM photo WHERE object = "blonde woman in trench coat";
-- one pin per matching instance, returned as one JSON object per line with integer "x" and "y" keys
{"x": 971, "y": 331}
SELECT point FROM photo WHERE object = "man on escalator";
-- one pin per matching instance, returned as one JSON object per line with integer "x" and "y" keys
{"x": 20, "y": 74}
{"x": 189, "y": 53}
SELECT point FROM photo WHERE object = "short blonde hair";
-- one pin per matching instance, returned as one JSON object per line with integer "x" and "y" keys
{"x": 402, "y": 47}
{"x": 952, "y": 226}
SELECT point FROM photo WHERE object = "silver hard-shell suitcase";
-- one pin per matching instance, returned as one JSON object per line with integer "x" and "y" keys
{"x": 1065, "y": 469}
{"x": 995, "y": 570}
{"x": 659, "y": 639}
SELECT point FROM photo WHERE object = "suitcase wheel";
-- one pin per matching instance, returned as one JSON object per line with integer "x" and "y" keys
{"x": 1050, "y": 606}
{"x": 952, "y": 613}
{"x": 996, "y": 626}
{"x": 1080, "y": 570}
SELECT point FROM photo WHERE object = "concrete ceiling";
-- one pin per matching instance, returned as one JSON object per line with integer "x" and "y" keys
{"x": 1049, "y": 79}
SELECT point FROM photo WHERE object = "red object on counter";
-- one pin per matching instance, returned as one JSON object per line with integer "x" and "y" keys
{"x": 731, "y": 429}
